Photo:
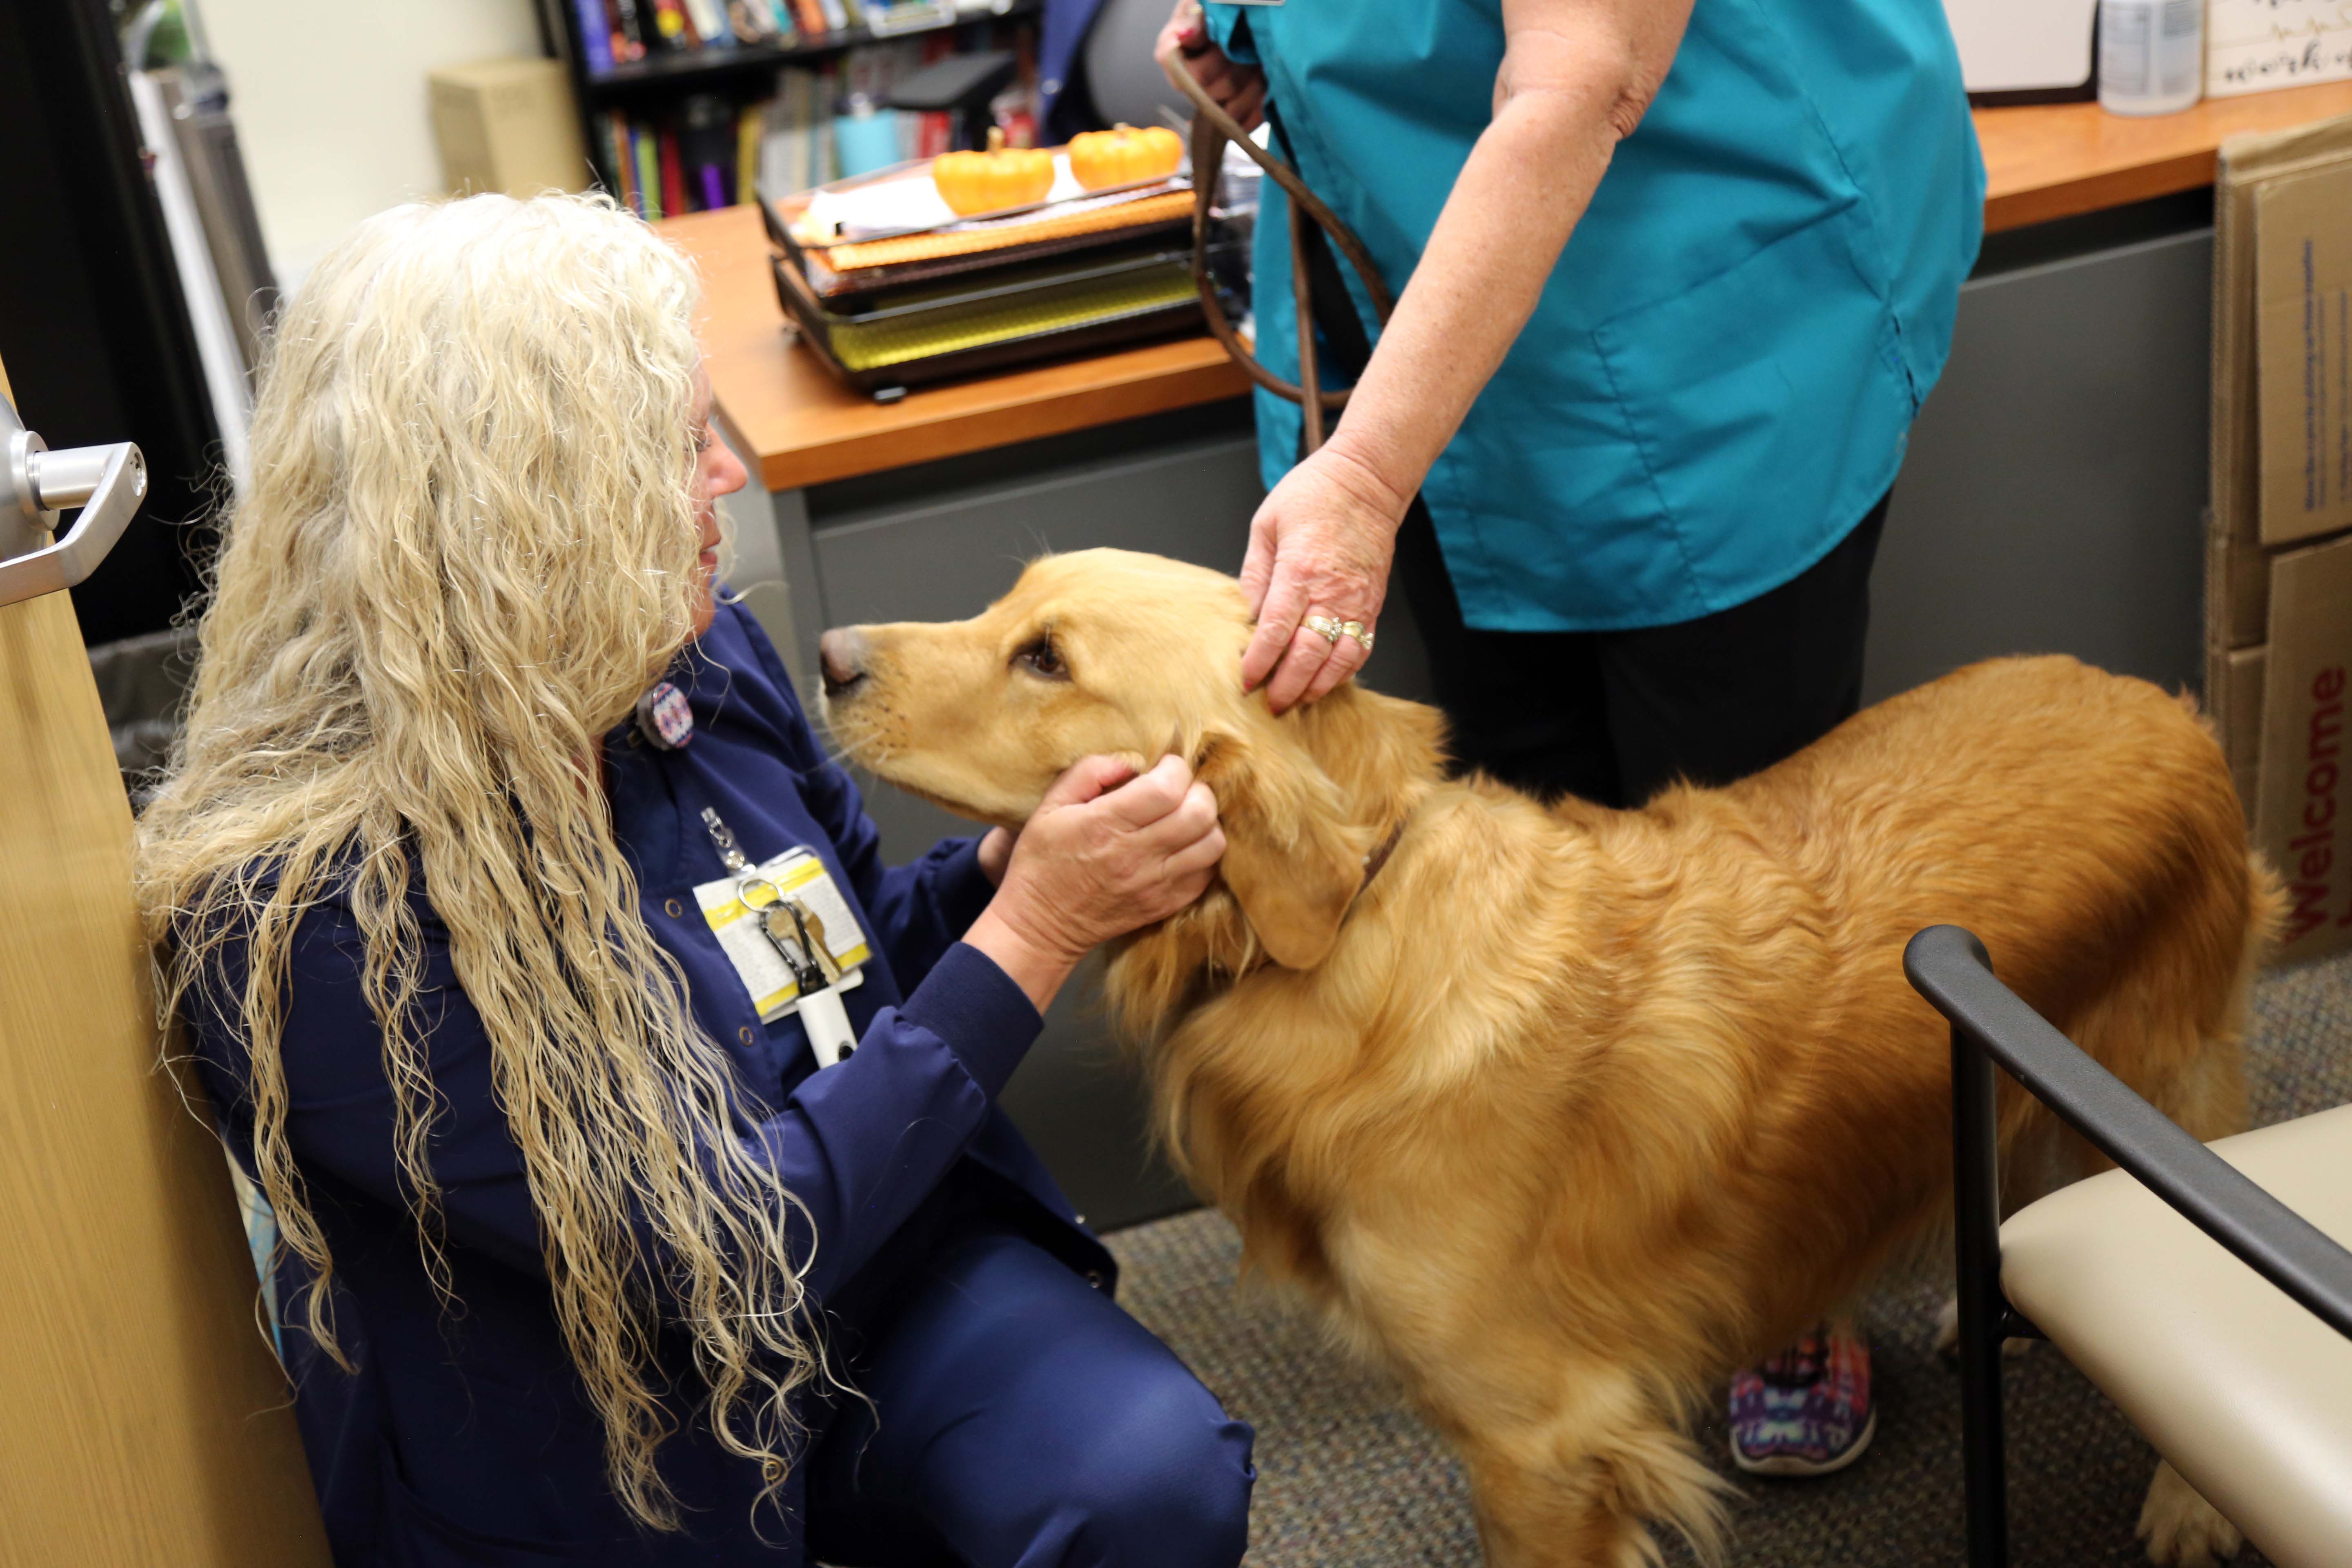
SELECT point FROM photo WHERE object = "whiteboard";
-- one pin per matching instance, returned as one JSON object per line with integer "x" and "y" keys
{"x": 2254, "y": 46}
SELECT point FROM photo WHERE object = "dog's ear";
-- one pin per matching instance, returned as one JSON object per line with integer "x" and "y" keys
{"x": 1293, "y": 860}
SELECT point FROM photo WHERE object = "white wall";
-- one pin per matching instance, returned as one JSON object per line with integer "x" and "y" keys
{"x": 330, "y": 101}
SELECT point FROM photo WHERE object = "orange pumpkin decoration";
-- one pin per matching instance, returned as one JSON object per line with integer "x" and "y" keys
{"x": 1124, "y": 155}
{"x": 986, "y": 182}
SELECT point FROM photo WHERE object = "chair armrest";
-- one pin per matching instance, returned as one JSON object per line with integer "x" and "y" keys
{"x": 1950, "y": 967}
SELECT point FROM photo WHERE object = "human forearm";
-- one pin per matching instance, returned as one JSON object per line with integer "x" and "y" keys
{"x": 1038, "y": 965}
{"x": 1575, "y": 77}
{"x": 1525, "y": 184}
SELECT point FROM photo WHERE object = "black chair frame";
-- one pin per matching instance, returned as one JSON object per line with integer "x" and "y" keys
{"x": 1991, "y": 1023}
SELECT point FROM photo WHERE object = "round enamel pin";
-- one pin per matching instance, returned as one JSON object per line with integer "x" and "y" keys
{"x": 664, "y": 718}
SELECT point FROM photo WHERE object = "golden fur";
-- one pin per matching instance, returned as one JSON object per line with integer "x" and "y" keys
{"x": 1576, "y": 1110}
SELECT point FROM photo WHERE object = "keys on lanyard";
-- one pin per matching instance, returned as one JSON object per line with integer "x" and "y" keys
{"x": 796, "y": 931}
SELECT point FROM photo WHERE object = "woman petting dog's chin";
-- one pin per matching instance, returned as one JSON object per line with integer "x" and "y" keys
{"x": 1565, "y": 1113}
{"x": 632, "y": 1129}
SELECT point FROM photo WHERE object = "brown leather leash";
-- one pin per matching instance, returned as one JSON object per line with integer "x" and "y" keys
{"x": 1212, "y": 128}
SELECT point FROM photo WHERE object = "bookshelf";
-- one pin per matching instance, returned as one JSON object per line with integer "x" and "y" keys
{"x": 743, "y": 73}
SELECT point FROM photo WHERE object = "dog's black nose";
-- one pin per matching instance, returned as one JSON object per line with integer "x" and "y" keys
{"x": 841, "y": 657}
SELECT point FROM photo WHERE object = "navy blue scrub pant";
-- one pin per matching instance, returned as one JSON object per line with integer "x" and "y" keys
{"x": 1019, "y": 1419}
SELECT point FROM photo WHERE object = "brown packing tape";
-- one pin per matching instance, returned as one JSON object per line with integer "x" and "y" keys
{"x": 2303, "y": 816}
{"x": 2239, "y": 720}
{"x": 2231, "y": 436}
{"x": 2303, "y": 276}
{"x": 2237, "y": 589}
{"x": 2217, "y": 566}
{"x": 2246, "y": 582}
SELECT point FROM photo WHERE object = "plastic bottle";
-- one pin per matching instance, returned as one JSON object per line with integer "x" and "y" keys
{"x": 2151, "y": 55}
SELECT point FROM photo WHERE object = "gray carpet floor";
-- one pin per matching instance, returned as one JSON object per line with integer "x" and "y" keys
{"x": 1348, "y": 1479}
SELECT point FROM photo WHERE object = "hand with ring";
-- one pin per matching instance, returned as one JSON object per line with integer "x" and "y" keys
{"x": 1315, "y": 575}
{"x": 1331, "y": 631}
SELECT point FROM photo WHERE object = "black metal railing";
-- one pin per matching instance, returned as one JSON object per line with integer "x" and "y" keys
{"x": 1991, "y": 1023}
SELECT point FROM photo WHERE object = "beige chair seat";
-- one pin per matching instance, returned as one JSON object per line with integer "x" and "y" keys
{"x": 2247, "y": 1393}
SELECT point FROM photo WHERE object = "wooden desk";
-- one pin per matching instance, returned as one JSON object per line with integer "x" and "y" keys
{"x": 802, "y": 428}
{"x": 2066, "y": 158}
{"x": 798, "y": 427}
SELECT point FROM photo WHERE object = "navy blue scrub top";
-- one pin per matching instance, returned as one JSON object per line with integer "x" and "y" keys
{"x": 465, "y": 1436}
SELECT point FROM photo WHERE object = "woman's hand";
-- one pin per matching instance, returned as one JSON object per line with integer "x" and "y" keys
{"x": 1319, "y": 546}
{"x": 1238, "y": 90}
{"x": 1106, "y": 851}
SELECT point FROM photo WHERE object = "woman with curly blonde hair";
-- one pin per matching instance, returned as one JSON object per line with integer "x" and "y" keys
{"x": 614, "y": 1231}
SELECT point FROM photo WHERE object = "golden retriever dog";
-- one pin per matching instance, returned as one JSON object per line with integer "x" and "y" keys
{"x": 1564, "y": 1113}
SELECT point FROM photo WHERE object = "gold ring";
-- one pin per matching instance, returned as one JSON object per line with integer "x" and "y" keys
{"x": 1331, "y": 631}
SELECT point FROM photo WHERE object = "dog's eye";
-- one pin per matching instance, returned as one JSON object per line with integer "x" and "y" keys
{"x": 1043, "y": 659}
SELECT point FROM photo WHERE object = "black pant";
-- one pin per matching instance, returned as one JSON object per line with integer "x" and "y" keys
{"x": 1616, "y": 716}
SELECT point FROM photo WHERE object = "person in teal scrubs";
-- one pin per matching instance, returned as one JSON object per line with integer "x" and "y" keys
{"x": 1672, "y": 278}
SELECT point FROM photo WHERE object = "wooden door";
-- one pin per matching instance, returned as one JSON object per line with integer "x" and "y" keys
{"x": 144, "y": 1422}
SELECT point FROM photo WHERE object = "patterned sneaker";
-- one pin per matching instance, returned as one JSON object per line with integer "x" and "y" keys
{"x": 1805, "y": 1412}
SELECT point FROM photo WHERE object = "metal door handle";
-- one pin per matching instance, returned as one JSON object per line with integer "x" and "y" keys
{"x": 107, "y": 482}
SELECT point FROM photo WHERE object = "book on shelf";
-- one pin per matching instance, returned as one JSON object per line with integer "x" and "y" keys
{"x": 796, "y": 131}
{"x": 673, "y": 175}
{"x": 670, "y": 25}
{"x": 705, "y": 147}
{"x": 617, "y": 32}
{"x": 705, "y": 154}
{"x": 766, "y": 22}
{"x": 709, "y": 20}
{"x": 612, "y": 132}
{"x": 748, "y": 122}
{"x": 596, "y": 33}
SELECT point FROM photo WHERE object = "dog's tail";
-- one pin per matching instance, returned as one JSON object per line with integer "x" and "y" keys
{"x": 2268, "y": 905}
{"x": 1658, "y": 1474}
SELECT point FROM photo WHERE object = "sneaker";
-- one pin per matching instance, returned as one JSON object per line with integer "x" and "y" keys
{"x": 1805, "y": 1412}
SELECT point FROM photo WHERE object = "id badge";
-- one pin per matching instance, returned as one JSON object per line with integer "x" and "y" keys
{"x": 789, "y": 905}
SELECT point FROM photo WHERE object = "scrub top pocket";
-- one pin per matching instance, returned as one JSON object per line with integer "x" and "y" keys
{"x": 1737, "y": 421}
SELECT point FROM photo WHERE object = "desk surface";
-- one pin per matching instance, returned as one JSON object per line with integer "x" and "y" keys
{"x": 2064, "y": 159}
{"x": 804, "y": 428}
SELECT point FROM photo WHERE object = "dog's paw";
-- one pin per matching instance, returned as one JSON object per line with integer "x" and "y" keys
{"x": 1948, "y": 1335}
{"x": 2182, "y": 1529}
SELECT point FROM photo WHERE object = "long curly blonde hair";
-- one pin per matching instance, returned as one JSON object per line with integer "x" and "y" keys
{"x": 469, "y": 545}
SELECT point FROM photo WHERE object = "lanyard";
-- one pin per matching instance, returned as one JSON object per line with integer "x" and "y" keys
{"x": 797, "y": 933}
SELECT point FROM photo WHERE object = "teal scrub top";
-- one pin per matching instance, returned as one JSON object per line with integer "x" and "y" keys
{"x": 1719, "y": 375}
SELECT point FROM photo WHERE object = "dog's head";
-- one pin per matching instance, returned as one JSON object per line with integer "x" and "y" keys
{"x": 1108, "y": 652}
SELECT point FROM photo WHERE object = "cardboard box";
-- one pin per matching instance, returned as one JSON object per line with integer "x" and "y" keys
{"x": 2303, "y": 352}
{"x": 2304, "y": 821}
{"x": 2248, "y": 165}
{"x": 508, "y": 125}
